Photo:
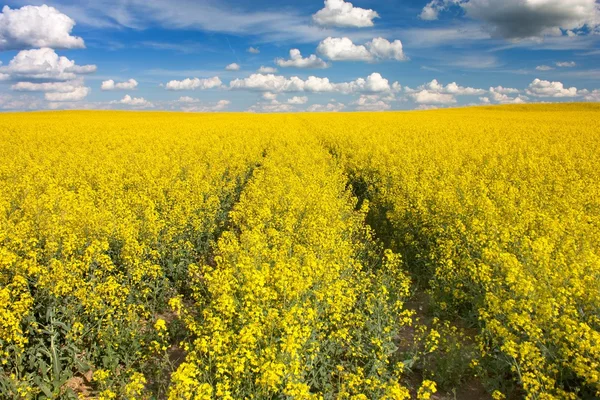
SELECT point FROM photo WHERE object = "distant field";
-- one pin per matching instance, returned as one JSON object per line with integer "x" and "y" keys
{"x": 433, "y": 254}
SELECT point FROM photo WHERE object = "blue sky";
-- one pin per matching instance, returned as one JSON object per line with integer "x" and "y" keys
{"x": 316, "y": 56}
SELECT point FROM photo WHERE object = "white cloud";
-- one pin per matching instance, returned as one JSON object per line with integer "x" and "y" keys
{"x": 44, "y": 63}
{"x": 78, "y": 94}
{"x": 112, "y": 85}
{"x": 485, "y": 100}
{"x": 343, "y": 49}
{"x": 188, "y": 99}
{"x": 233, "y": 67}
{"x": 134, "y": 102}
{"x": 298, "y": 100}
{"x": 541, "y": 88}
{"x": 544, "y": 68}
{"x": 592, "y": 96}
{"x": 20, "y": 102}
{"x": 370, "y": 102}
{"x": 218, "y": 106}
{"x": 329, "y": 107}
{"x": 503, "y": 90}
{"x": 431, "y": 97}
{"x": 343, "y": 14}
{"x": 297, "y": 61}
{"x": 253, "y": 50}
{"x": 33, "y": 26}
{"x": 269, "y": 96}
{"x": 432, "y": 10}
{"x": 452, "y": 88}
{"x": 500, "y": 95}
{"x": 194, "y": 83}
{"x": 56, "y": 91}
{"x": 566, "y": 64}
{"x": 266, "y": 70}
{"x": 276, "y": 83}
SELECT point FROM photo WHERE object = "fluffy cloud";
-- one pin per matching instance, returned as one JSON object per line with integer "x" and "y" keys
{"x": 273, "y": 107}
{"x": 592, "y": 96}
{"x": 233, "y": 67}
{"x": 44, "y": 64}
{"x": 195, "y": 83}
{"x": 432, "y": 10}
{"x": 343, "y": 14}
{"x": 566, "y": 64}
{"x": 329, "y": 107}
{"x": 520, "y": 19}
{"x": 543, "y": 68}
{"x": 32, "y": 26}
{"x": 275, "y": 83}
{"x": 370, "y": 102}
{"x": 298, "y": 100}
{"x": 503, "y": 90}
{"x": 452, "y": 89}
{"x": 297, "y": 61}
{"x": 112, "y": 85}
{"x": 501, "y": 95}
{"x": 253, "y": 50}
{"x": 266, "y": 70}
{"x": 269, "y": 96}
{"x": 77, "y": 94}
{"x": 188, "y": 99}
{"x": 218, "y": 106}
{"x": 134, "y": 102}
{"x": 541, "y": 88}
{"x": 343, "y": 49}
{"x": 56, "y": 91}
{"x": 430, "y": 97}
{"x": 21, "y": 102}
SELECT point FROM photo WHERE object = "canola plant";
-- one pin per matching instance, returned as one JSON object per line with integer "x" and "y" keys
{"x": 237, "y": 256}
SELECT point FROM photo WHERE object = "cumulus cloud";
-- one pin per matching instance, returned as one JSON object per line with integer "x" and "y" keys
{"x": 329, "y": 107}
{"x": 592, "y": 96}
{"x": 541, "y": 88}
{"x": 33, "y": 26}
{"x": 56, "y": 91}
{"x": 273, "y": 107}
{"x": 134, "y": 102}
{"x": 452, "y": 88}
{"x": 343, "y": 14}
{"x": 275, "y": 83}
{"x": 269, "y": 96}
{"x": 266, "y": 70}
{"x": 544, "y": 68}
{"x": 297, "y": 61}
{"x": 430, "y": 97}
{"x": 218, "y": 106}
{"x": 370, "y": 102}
{"x": 77, "y": 94}
{"x": 298, "y": 100}
{"x": 503, "y": 90}
{"x": 233, "y": 67}
{"x": 343, "y": 49}
{"x": 432, "y": 10}
{"x": 566, "y": 64}
{"x": 187, "y": 99}
{"x": 501, "y": 95}
{"x": 194, "y": 83}
{"x": 20, "y": 102}
{"x": 44, "y": 63}
{"x": 112, "y": 85}
{"x": 253, "y": 50}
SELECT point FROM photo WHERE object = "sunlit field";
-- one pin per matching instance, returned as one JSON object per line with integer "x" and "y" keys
{"x": 427, "y": 254}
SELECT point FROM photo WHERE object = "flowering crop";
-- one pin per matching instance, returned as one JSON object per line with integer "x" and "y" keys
{"x": 276, "y": 253}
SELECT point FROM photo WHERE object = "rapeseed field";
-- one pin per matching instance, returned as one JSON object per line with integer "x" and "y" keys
{"x": 301, "y": 256}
